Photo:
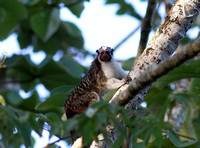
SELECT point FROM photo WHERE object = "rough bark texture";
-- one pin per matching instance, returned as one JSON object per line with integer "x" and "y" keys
{"x": 157, "y": 71}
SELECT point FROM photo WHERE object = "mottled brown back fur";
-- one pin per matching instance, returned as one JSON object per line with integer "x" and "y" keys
{"x": 79, "y": 99}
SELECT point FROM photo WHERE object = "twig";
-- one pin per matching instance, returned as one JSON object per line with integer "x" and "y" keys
{"x": 127, "y": 37}
{"x": 2, "y": 61}
{"x": 146, "y": 25}
{"x": 63, "y": 138}
{"x": 157, "y": 71}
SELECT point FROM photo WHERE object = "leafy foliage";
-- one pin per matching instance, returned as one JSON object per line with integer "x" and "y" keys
{"x": 37, "y": 23}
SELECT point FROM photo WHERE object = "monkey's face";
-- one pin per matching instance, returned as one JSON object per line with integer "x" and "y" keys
{"x": 105, "y": 54}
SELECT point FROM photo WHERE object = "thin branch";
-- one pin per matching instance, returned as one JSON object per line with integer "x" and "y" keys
{"x": 127, "y": 37}
{"x": 147, "y": 25}
{"x": 157, "y": 71}
{"x": 63, "y": 138}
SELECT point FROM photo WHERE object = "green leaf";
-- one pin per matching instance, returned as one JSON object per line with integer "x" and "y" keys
{"x": 15, "y": 12}
{"x": 24, "y": 128}
{"x": 128, "y": 64}
{"x": 13, "y": 98}
{"x": 51, "y": 46}
{"x": 62, "y": 89}
{"x": 26, "y": 105}
{"x": 15, "y": 7}
{"x": 156, "y": 97}
{"x": 183, "y": 98}
{"x": 23, "y": 71}
{"x": 177, "y": 142}
{"x": 45, "y": 23}
{"x": 24, "y": 39}
{"x": 54, "y": 101}
{"x": 196, "y": 125}
{"x": 53, "y": 74}
{"x": 73, "y": 67}
{"x": 37, "y": 121}
{"x": 29, "y": 2}
{"x": 76, "y": 7}
{"x": 2, "y": 14}
{"x": 190, "y": 69}
{"x": 69, "y": 35}
{"x": 2, "y": 101}
{"x": 125, "y": 8}
{"x": 164, "y": 109}
{"x": 195, "y": 86}
{"x": 158, "y": 135}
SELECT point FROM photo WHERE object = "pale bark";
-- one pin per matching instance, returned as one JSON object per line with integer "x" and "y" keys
{"x": 157, "y": 71}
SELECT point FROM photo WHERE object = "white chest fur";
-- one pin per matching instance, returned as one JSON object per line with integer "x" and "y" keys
{"x": 112, "y": 69}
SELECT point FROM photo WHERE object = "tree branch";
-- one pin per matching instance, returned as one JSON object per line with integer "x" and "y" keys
{"x": 146, "y": 25}
{"x": 157, "y": 71}
{"x": 164, "y": 42}
{"x": 167, "y": 5}
{"x": 50, "y": 144}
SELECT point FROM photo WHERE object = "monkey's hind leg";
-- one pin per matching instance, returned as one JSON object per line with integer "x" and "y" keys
{"x": 81, "y": 103}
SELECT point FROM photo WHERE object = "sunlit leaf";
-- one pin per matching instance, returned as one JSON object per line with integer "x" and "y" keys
{"x": 177, "y": 142}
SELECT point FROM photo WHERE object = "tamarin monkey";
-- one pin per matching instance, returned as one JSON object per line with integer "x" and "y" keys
{"x": 105, "y": 73}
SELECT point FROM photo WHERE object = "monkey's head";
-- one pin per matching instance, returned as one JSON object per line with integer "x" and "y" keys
{"x": 105, "y": 54}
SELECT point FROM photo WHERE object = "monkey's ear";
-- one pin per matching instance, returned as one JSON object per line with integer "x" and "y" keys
{"x": 112, "y": 50}
{"x": 97, "y": 51}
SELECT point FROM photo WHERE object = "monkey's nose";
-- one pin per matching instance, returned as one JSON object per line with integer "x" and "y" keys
{"x": 105, "y": 57}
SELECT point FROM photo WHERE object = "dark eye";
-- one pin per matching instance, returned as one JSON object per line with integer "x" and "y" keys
{"x": 112, "y": 51}
{"x": 97, "y": 51}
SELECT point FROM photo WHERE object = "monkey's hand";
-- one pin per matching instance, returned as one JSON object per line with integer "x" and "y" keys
{"x": 127, "y": 79}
